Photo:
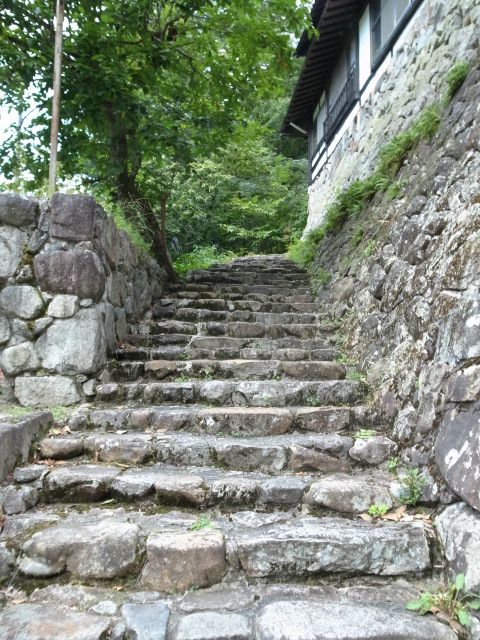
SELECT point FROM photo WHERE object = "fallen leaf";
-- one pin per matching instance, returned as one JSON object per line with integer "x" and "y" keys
{"x": 401, "y": 509}
{"x": 391, "y": 516}
{"x": 118, "y": 588}
{"x": 366, "y": 517}
{"x": 120, "y": 432}
{"x": 407, "y": 518}
{"x": 18, "y": 601}
{"x": 60, "y": 462}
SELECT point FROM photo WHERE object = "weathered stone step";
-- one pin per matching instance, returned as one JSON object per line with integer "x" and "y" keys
{"x": 220, "y": 304}
{"x": 244, "y": 421}
{"x": 111, "y": 544}
{"x": 246, "y": 277}
{"x": 264, "y": 344}
{"x": 244, "y": 329}
{"x": 132, "y": 354}
{"x": 235, "y": 297}
{"x": 233, "y": 612}
{"x": 220, "y": 289}
{"x": 291, "y": 620}
{"x": 316, "y": 453}
{"x": 188, "y": 314}
{"x": 239, "y": 369}
{"x": 243, "y": 394}
{"x": 226, "y": 612}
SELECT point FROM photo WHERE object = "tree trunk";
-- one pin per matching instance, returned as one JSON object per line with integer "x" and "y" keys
{"x": 129, "y": 194}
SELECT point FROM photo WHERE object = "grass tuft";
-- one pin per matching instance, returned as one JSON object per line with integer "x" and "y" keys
{"x": 455, "y": 78}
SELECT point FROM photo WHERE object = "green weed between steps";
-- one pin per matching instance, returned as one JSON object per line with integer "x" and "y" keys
{"x": 350, "y": 202}
{"x": 364, "y": 434}
{"x": 453, "y": 601}
{"x": 202, "y": 522}
{"x": 411, "y": 485}
{"x": 378, "y": 510}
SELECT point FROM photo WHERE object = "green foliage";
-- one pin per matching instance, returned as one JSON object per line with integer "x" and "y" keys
{"x": 364, "y": 434}
{"x": 202, "y": 522}
{"x": 313, "y": 401}
{"x": 303, "y": 251}
{"x": 411, "y": 484}
{"x": 452, "y": 600}
{"x": 355, "y": 375}
{"x": 357, "y": 235}
{"x": 243, "y": 197}
{"x": 127, "y": 217}
{"x": 378, "y": 510}
{"x": 201, "y": 258}
{"x": 319, "y": 277}
{"x": 392, "y": 464}
{"x": 367, "y": 252}
{"x": 455, "y": 78}
{"x": 149, "y": 88}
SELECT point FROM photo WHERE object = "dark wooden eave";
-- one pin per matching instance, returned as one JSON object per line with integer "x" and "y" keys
{"x": 335, "y": 22}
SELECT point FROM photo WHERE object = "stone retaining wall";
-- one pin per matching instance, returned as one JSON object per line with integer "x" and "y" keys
{"x": 71, "y": 285}
{"x": 409, "y": 299}
{"x": 439, "y": 34}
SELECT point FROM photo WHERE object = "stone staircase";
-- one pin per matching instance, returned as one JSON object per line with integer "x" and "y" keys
{"x": 213, "y": 490}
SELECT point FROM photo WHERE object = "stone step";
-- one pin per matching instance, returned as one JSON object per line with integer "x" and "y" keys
{"x": 132, "y": 354}
{"x": 189, "y": 314}
{"x": 264, "y": 344}
{"x": 315, "y": 453}
{"x": 240, "y": 393}
{"x": 233, "y": 612}
{"x": 219, "y": 304}
{"x": 243, "y": 421}
{"x": 110, "y": 544}
{"x": 250, "y": 329}
{"x": 235, "y": 297}
{"x": 247, "y": 277}
{"x": 238, "y": 369}
{"x": 221, "y": 289}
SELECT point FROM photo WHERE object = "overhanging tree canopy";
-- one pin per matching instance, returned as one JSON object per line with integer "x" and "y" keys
{"x": 142, "y": 81}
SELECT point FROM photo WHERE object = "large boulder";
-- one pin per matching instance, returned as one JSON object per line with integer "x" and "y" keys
{"x": 12, "y": 244}
{"x": 457, "y": 452}
{"x": 459, "y": 529}
{"x": 75, "y": 345}
{"x": 79, "y": 272}
{"x": 46, "y": 391}
{"x": 101, "y": 550}
{"x": 22, "y": 301}
{"x": 19, "y": 358}
{"x": 72, "y": 216}
{"x": 17, "y": 210}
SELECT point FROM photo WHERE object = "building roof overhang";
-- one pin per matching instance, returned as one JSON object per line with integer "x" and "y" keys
{"x": 333, "y": 20}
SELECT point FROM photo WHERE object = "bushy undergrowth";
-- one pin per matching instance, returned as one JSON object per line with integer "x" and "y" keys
{"x": 200, "y": 258}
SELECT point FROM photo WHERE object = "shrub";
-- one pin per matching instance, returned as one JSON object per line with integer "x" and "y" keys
{"x": 200, "y": 258}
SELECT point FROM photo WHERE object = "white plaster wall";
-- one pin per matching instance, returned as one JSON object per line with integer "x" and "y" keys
{"x": 440, "y": 33}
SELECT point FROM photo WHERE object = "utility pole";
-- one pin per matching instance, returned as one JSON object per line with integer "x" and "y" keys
{"x": 57, "y": 74}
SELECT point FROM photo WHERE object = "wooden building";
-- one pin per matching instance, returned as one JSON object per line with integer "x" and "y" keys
{"x": 343, "y": 62}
